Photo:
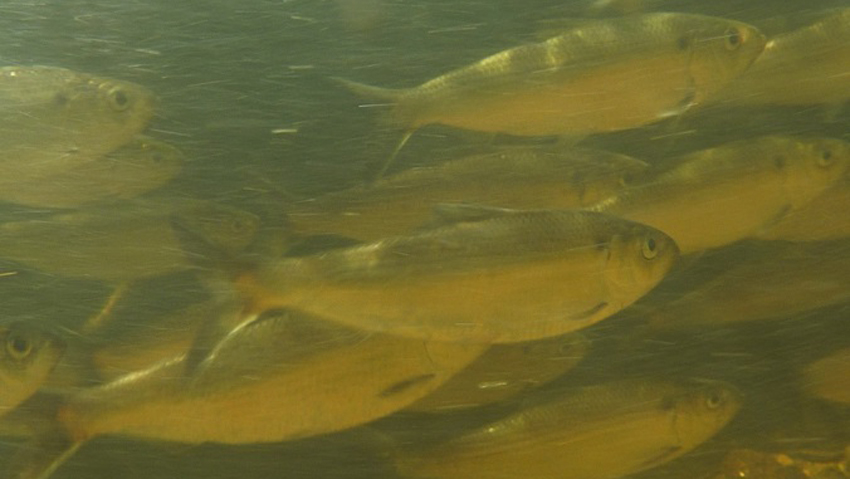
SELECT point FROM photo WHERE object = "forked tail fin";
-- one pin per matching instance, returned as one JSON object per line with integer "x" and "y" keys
{"x": 389, "y": 97}
{"x": 386, "y": 95}
{"x": 391, "y": 158}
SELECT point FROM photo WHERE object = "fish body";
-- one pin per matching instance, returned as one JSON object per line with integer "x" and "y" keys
{"x": 122, "y": 241}
{"x": 135, "y": 168}
{"x": 823, "y": 219}
{"x": 283, "y": 376}
{"x": 595, "y": 432}
{"x": 510, "y": 276}
{"x": 27, "y": 356}
{"x": 807, "y": 66}
{"x": 603, "y": 76}
{"x": 505, "y": 371}
{"x": 519, "y": 178}
{"x": 826, "y": 378}
{"x": 776, "y": 282}
{"x": 734, "y": 191}
{"x": 52, "y": 119}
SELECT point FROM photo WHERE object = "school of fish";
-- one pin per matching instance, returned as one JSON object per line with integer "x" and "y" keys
{"x": 516, "y": 292}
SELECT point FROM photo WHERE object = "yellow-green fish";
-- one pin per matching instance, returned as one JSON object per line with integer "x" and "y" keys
{"x": 605, "y": 75}
{"x": 773, "y": 282}
{"x": 491, "y": 276}
{"x": 139, "y": 166}
{"x": 826, "y": 378}
{"x": 594, "y": 432}
{"x": 824, "y": 218}
{"x": 284, "y": 375}
{"x": 805, "y": 66}
{"x": 520, "y": 178}
{"x": 734, "y": 191}
{"x": 52, "y": 119}
{"x": 505, "y": 371}
{"x": 27, "y": 356}
{"x": 124, "y": 241}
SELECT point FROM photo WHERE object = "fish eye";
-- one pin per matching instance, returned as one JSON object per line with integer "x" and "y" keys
{"x": 733, "y": 39}
{"x": 826, "y": 158}
{"x": 119, "y": 99}
{"x": 650, "y": 248}
{"x": 18, "y": 347}
{"x": 714, "y": 400}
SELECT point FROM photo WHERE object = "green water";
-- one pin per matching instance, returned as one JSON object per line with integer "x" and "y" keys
{"x": 245, "y": 91}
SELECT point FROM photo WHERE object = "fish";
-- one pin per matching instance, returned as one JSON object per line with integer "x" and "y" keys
{"x": 141, "y": 165}
{"x": 53, "y": 119}
{"x": 823, "y": 219}
{"x": 274, "y": 377}
{"x": 124, "y": 241}
{"x": 145, "y": 345}
{"x": 518, "y": 178}
{"x": 28, "y": 355}
{"x": 603, "y": 76}
{"x": 772, "y": 281}
{"x": 807, "y": 66}
{"x": 721, "y": 195}
{"x": 593, "y": 432}
{"x": 486, "y": 275}
{"x": 506, "y": 371}
{"x": 826, "y": 378}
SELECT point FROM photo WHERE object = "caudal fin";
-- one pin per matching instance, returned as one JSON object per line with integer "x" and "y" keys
{"x": 385, "y": 95}
{"x": 388, "y": 97}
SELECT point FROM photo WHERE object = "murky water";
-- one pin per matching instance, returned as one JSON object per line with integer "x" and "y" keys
{"x": 246, "y": 92}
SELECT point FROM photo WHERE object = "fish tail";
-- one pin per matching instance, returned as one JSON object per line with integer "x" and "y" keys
{"x": 405, "y": 137}
{"x": 402, "y": 114}
{"x": 387, "y": 95}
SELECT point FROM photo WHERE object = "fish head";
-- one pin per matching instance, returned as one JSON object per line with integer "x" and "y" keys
{"x": 702, "y": 409}
{"x": 151, "y": 160}
{"x": 640, "y": 257}
{"x": 103, "y": 113}
{"x": 604, "y": 175}
{"x": 814, "y": 165}
{"x": 27, "y": 356}
{"x": 721, "y": 50}
{"x": 223, "y": 227}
